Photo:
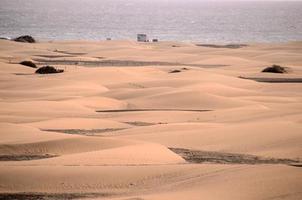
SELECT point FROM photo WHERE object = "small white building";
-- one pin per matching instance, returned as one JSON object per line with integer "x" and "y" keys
{"x": 142, "y": 38}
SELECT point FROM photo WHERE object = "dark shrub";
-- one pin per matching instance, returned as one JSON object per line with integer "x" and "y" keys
{"x": 48, "y": 70}
{"x": 25, "y": 38}
{"x": 29, "y": 64}
{"x": 275, "y": 69}
{"x": 175, "y": 71}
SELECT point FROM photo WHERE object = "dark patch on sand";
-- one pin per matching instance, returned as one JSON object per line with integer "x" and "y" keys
{"x": 103, "y": 62}
{"x": 22, "y": 157}
{"x": 54, "y": 56}
{"x": 23, "y": 74}
{"x": 227, "y": 46}
{"x": 49, "y": 196}
{"x": 70, "y": 53}
{"x": 175, "y": 71}
{"x": 87, "y": 132}
{"x": 273, "y": 80}
{"x": 152, "y": 110}
{"x": 137, "y": 123}
{"x": 117, "y": 63}
{"x": 100, "y": 57}
{"x": 178, "y": 70}
{"x": 296, "y": 164}
{"x": 196, "y": 156}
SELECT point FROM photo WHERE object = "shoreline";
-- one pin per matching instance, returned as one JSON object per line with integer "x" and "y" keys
{"x": 213, "y": 43}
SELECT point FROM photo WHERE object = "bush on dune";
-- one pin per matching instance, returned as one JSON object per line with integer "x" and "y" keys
{"x": 48, "y": 70}
{"x": 275, "y": 69}
{"x": 29, "y": 64}
{"x": 25, "y": 38}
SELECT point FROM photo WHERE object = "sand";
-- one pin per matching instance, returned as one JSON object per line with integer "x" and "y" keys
{"x": 118, "y": 125}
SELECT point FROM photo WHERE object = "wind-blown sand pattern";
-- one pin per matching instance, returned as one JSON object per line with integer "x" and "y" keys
{"x": 118, "y": 125}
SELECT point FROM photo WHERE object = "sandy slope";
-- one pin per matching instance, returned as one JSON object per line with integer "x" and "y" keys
{"x": 106, "y": 132}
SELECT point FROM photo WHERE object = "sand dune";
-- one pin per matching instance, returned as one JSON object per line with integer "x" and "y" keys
{"x": 77, "y": 123}
{"x": 187, "y": 99}
{"x": 110, "y": 155}
{"x": 26, "y": 140}
{"x": 119, "y": 131}
{"x": 263, "y": 138}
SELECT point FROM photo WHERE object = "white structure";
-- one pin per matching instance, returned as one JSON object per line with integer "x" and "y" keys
{"x": 142, "y": 38}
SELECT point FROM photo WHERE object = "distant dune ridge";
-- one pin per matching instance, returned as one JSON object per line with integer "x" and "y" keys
{"x": 149, "y": 121}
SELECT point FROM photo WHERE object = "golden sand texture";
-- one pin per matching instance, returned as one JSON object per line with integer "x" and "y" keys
{"x": 117, "y": 124}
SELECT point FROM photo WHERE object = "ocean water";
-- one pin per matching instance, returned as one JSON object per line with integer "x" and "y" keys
{"x": 176, "y": 20}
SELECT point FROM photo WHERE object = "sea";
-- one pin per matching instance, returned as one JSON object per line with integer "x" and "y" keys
{"x": 167, "y": 20}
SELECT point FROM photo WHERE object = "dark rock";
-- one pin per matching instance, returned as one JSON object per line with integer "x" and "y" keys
{"x": 25, "y": 38}
{"x": 29, "y": 64}
{"x": 48, "y": 70}
{"x": 275, "y": 69}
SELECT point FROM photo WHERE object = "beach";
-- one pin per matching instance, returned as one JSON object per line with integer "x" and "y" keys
{"x": 150, "y": 121}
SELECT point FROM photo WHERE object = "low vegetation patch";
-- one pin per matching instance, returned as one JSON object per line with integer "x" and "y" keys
{"x": 48, "y": 70}
{"x": 87, "y": 132}
{"x": 197, "y": 156}
{"x": 50, "y": 196}
{"x": 22, "y": 157}
{"x": 227, "y": 46}
{"x": 275, "y": 69}
{"x": 28, "y": 64}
